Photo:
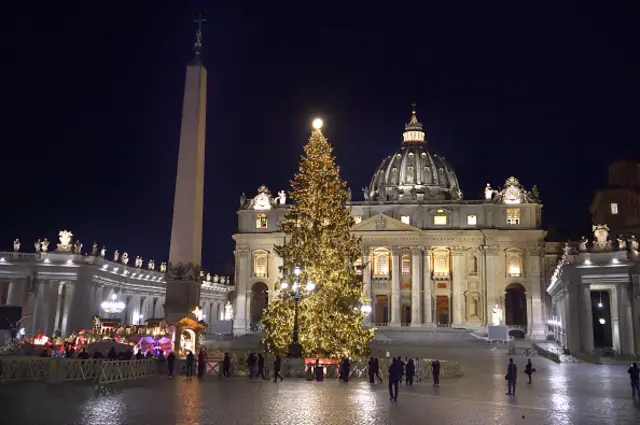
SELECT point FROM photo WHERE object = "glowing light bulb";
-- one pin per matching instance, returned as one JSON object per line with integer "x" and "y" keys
{"x": 602, "y": 321}
{"x": 317, "y": 123}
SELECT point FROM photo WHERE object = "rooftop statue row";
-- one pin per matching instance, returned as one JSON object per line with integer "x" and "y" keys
{"x": 512, "y": 193}
{"x": 67, "y": 245}
{"x": 601, "y": 241}
{"x": 263, "y": 200}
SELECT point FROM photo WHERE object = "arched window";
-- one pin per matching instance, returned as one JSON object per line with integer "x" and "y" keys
{"x": 260, "y": 263}
{"x": 440, "y": 266}
{"x": 381, "y": 260}
{"x": 406, "y": 264}
{"x": 514, "y": 267}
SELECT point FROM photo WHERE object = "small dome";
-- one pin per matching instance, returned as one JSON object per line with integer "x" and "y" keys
{"x": 413, "y": 173}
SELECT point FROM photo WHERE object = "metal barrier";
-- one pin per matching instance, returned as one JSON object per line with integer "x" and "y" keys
{"x": 14, "y": 369}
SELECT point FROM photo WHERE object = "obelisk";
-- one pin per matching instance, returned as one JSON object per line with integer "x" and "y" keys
{"x": 185, "y": 252}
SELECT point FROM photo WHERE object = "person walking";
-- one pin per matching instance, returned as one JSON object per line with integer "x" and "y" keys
{"x": 411, "y": 370}
{"x": 634, "y": 374}
{"x": 371, "y": 370}
{"x": 171, "y": 361}
{"x": 377, "y": 369}
{"x": 347, "y": 367}
{"x": 190, "y": 360}
{"x": 161, "y": 360}
{"x": 226, "y": 365}
{"x": 511, "y": 377}
{"x": 277, "y": 364}
{"x": 260, "y": 366}
{"x": 435, "y": 371}
{"x": 395, "y": 376}
{"x": 528, "y": 369}
{"x": 251, "y": 363}
{"x": 201, "y": 363}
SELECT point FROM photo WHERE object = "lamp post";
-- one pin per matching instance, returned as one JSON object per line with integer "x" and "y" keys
{"x": 296, "y": 292}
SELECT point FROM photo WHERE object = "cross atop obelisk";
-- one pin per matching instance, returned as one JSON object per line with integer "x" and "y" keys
{"x": 185, "y": 251}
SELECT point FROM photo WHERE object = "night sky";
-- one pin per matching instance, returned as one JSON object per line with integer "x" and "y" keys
{"x": 93, "y": 98}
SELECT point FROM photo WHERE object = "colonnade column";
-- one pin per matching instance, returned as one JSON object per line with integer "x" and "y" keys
{"x": 416, "y": 287}
{"x": 626, "y": 325}
{"x": 366, "y": 279}
{"x": 457, "y": 283}
{"x": 395, "y": 287}
{"x": 428, "y": 310}
{"x": 15, "y": 296}
{"x": 65, "y": 329}
{"x": 242, "y": 276}
{"x": 586, "y": 318}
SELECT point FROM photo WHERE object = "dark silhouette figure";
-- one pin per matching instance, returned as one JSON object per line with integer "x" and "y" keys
{"x": 377, "y": 369}
{"x": 346, "y": 366}
{"x": 260, "y": 366}
{"x": 139, "y": 355}
{"x": 83, "y": 354}
{"x": 277, "y": 364}
{"x": 511, "y": 377}
{"x": 251, "y": 362}
{"x": 528, "y": 369}
{"x": 201, "y": 364}
{"x": 171, "y": 362}
{"x": 411, "y": 371}
{"x": 161, "y": 360}
{"x": 372, "y": 370}
{"x": 226, "y": 365}
{"x": 634, "y": 374}
{"x": 435, "y": 371}
{"x": 112, "y": 354}
{"x": 395, "y": 376}
{"x": 319, "y": 371}
{"x": 190, "y": 359}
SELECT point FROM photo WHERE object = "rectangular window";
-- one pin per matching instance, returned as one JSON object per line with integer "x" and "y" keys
{"x": 614, "y": 208}
{"x": 261, "y": 221}
{"x": 357, "y": 219}
{"x": 513, "y": 216}
{"x": 472, "y": 220}
{"x": 440, "y": 220}
{"x": 405, "y": 219}
{"x": 406, "y": 265}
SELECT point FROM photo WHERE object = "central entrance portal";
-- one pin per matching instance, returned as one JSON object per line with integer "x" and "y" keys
{"x": 442, "y": 310}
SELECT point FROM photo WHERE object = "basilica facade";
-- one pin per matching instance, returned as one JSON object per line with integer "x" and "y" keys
{"x": 430, "y": 257}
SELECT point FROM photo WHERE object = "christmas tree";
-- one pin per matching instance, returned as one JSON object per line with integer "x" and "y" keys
{"x": 319, "y": 243}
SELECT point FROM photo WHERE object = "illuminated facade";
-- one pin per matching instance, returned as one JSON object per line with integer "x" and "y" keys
{"x": 430, "y": 257}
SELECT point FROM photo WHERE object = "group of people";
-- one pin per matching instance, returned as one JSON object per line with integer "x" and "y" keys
{"x": 407, "y": 369}
{"x": 512, "y": 375}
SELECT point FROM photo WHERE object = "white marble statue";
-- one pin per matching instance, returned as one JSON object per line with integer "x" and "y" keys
{"x": 37, "y": 245}
{"x": 622, "y": 244}
{"x": 567, "y": 249}
{"x": 138, "y": 262}
{"x": 16, "y": 245}
{"x": 583, "y": 244}
{"x": 216, "y": 278}
{"x": 45, "y": 245}
{"x": 208, "y": 277}
{"x": 163, "y": 267}
{"x": 488, "y": 192}
{"x": 125, "y": 258}
{"x": 228, "y": 311}
{"x": 282, "y": 197}
{"x": 633, "y": 243}
{"x": 151, "y": 265}
{"x": 116, "y": 255}
{"x": 243, "y": 199}
{"x": 65, "y": 241}
{"x": 77, "y": 247}
{"x": 94, "y": 249}
{"x": 365, "y": 193}
{"x": 496, "y": 316}
{"x": 222, "y": 280}
{"x": 601, "y": 235}
{"x": 103, "y": 251}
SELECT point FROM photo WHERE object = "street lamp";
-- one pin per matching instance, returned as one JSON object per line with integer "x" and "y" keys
{"x": 296, "y": 292}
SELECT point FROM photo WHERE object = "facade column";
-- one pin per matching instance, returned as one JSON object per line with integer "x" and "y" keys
{"x": 395, "y": 287}
{"x": 99, "y": 298}
{"x": 416, "y": 287}
{"x": 65, "y": 328}
{"x": 16, "y": 292}
{"x": 366, "y": 279}
{"x": 572, "y": 313}
{"x": 586, "y": 318}
{"x": 536, "y": 328}
{"x": 59, "y": 307}
{"x": 426, "y": 266}
{"x": 626, "y": 325}
{"x": 49, "y": 302}
{"x": 242, "y": 277}
{"x": 490, "y": 263}
{"x": 457, "y": 283}
{"x": 615, "y": 318}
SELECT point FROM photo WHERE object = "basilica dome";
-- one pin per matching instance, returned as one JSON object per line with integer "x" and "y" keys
{"x": 413, "y": 173}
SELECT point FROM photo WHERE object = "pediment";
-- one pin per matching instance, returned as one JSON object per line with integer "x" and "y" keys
{"x": 383, "y": 223}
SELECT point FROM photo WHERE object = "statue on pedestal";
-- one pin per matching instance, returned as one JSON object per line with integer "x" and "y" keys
{"x": 601, "y": 234}
{"x": 365, "y": 193}
{"x": 633, "y": 243}
{"x": 583, "y": 244}
{"x": 94, "y": 249}
{"x": 228, "y": 311}
{"x": 222, "y": 280}
{"x": 243, "y": 199}
{"x": 488, "y": 192}
{"x": 163, "y": 267}
{"x": 16, "y": 245}
{"x": 45, "y": 245}
{"x": 125, "y": 258}
{"x": 37, "y": 245}
{"x": 496, "y": 315}
{"x": 138, "y": 262}
{"x": 116, "y": 255}
{"x": 208, "y": 277}
{"x": 151, "y": 265}
{"x": 282, "y": 197}
{"x": 103, "y": 251}
{"x": 77, "y": 247}
{"x": 65, "y": 241}
{"x": 622, "y": 244}
{"x": 216, "y": 278}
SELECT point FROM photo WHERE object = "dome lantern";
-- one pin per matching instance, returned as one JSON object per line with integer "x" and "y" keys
{"x": 413, "y": 129}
